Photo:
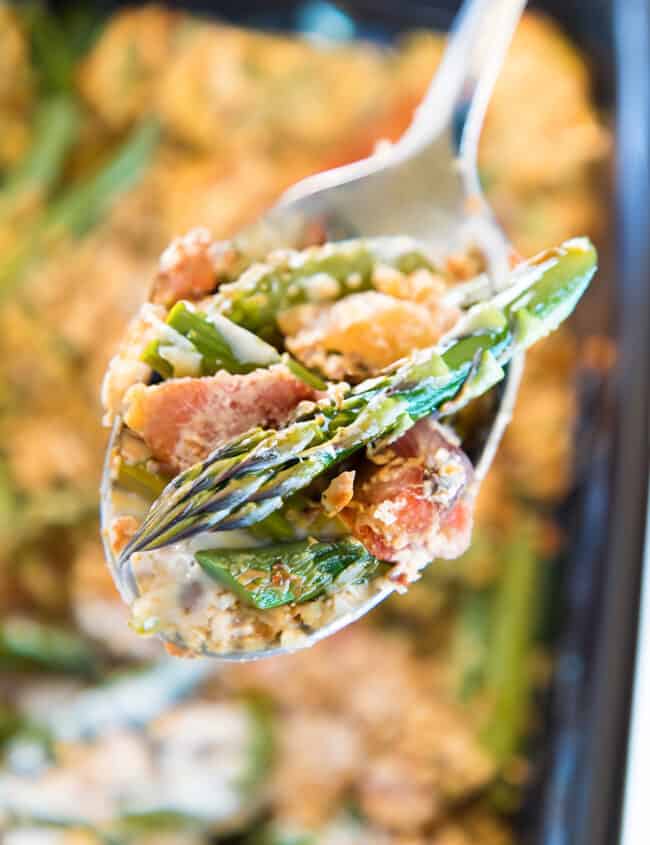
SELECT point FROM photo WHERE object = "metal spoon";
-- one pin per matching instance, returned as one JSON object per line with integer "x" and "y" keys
{"x": 426, "y": 186}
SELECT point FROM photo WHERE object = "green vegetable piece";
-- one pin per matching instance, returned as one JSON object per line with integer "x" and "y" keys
{"x": 507, "y": 674}
{"x": 84, "y": 205}
{"x": 302, "y": 373}
{"x": 57, "y": 124}
{"x": 216, "y": 350}
{"x": 25, "y": 643}
{"x": 275, "y": 527}
{"x": 222, "y": 345}
{"x": 261, "y": 749}
{"x": 11, "y": 722}
{"x": 138, "y": 479}
{"x": 149, "y": 823}
{"x": 52, "y": 57}
{"x": 280, "y": 574}
{"x": 248, "y": 478}
{"x": 316, "y": 275}
{"x": 152, "y": 357}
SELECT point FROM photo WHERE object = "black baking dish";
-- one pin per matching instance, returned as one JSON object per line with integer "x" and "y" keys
{"x": 576, "y": 798}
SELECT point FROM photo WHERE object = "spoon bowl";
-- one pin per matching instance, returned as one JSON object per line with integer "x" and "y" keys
{"x": 425, "y": 186}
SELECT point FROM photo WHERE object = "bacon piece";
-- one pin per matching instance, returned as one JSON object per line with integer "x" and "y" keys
{"x": 417, "y": 504}
{"x": 193, "y": 266}
{"x": 183, "y": 420}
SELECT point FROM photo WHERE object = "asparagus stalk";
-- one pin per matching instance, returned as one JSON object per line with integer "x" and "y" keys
{"x": 471, "y": 642}
{"x": 52, "y": 58}
{"x": 288, "y": 572}
{"x": 507, "y": 671}
{"x": 82, "y": 206}
{"x": 319, "y": 274}
{"x": 138, "y": 479}
{"x": 25, "y": 643}
{"x": 261, "y": 749}
{"x": 150, "y": 823}
{"x": 57, "y": 41}
{"x": 275, "y": 527}
{"x": 249, "y": 477}
{"x": 11, "y": 722}
{"x": 56, "y": 129}
{"x": 221, "y": 345}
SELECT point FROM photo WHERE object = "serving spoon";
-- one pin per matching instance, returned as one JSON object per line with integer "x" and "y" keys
{"x": 425, "y": 186}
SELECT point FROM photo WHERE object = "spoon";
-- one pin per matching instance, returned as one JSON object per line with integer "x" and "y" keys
{"x": 425, "y": 186}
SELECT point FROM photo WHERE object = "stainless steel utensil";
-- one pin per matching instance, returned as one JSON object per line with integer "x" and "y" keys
{"x": 426, "y": 186}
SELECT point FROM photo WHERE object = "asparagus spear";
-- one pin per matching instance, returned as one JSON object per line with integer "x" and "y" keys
{"x": 261, "y": 749}
{"x": 275, "y": 527}
{"x": 57, "y": 41}
{"x": 138, "y": 479}
{"x": 82, "y": 205}
{"x": 507, "y": 672}
{"x": 51, "y": 55}
{"x": 56, "y": 129}
{"x": 249, "y": 477}
{"x": 221, "y": 345}
{"x": 150, "y": 823}
{"x": 27, "y": 643}
{"x": 471, "y": 641}
{"x": 287, "y": 572}
{"x": 318, "y": 274}
{"x": 11, "y": 722}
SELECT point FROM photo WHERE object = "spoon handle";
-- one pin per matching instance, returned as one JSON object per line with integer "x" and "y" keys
{"x": 460, "y": 91}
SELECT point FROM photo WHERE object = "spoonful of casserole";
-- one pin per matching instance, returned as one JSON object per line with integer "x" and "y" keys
{"x": 285, "y": 446}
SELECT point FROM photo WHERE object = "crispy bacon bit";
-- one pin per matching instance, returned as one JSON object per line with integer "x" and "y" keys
{"x": 122, "y": 529}
{"x": 421, "y": 286}
{"x": 183, "y": 420}
{"x": 418, "y": 505}
{"x": 192, "y": 266}
{"x": 338, "y": 494}
{"x": 465, "y": 265}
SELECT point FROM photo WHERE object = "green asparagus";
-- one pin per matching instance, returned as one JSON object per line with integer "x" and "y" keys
{"x": 275, "y": 527}
{"x": 248, "y": 478}
{"x": 316, "y": 275}
{"x": 26, "y": 643}
{"x": 82, "y": 206}
{"x": 150, "y": 824}
{"x": 507, "y": 672}
{"x": 272, "y": 576}
{"x": 261, "y": 749}
{"x": 56, "y": 130}
{"x": 220, "y": 345}
{"x": 138, "y": 479}
{"x": 58, "y": 39}
{"x": 11, "y": 721}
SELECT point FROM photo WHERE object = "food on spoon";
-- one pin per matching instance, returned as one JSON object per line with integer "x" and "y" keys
{"x": 287, "y": 506}
{"x": 415, "y": 501}
{"x": 365, "y": 332}
{"x": 183, "y": 420}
